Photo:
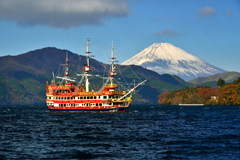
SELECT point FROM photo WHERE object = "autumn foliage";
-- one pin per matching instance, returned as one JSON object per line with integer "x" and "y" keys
{"x": 226, "y": 95}
{"x": 229, "y": 95}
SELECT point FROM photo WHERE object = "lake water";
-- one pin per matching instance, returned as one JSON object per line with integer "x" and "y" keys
{"x": 145, "y": 132}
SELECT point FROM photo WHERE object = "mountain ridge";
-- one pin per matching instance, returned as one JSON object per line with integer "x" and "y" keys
{"x": 229, "y": 77}
{"x": 24, "y": 76}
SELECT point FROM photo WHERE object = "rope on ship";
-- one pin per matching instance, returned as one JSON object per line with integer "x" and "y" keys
{"x": 105, "y": 71}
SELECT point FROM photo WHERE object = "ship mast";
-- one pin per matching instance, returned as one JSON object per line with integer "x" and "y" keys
{"x": 66, "y": 72}
{"x": 112, "y": 72}
{"x": 87, "y": 67}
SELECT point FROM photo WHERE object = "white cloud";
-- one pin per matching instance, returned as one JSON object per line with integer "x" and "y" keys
{"x": 167, "y": 32}
{"x": 206, "y": 11}
{"x": 160, "y": 18}
{"x": 230, "y": 12}
{"x": 61, "y": 13}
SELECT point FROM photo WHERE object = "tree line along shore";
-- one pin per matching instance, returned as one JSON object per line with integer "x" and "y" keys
{"x": 223, "y": 94}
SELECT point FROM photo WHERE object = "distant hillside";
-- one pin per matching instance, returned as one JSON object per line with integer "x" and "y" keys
{"x": 193, "y": 95}
{"x": 229, "y": 77}
{"x": 23, "y": 77}
{"x": 42, "y": 61}
{"x": 226, "y": 95}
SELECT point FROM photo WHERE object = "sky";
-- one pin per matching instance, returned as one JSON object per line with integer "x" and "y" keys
{"x": 207, "y": 29}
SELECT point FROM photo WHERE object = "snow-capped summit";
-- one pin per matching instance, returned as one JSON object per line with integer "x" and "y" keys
{"x": 166, "y": 58}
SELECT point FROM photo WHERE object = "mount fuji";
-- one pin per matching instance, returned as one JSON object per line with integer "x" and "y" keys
{"x": 166, "y": 58}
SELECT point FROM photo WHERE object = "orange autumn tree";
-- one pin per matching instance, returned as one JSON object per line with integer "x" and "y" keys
{"x": 162, "y": 97}
{"x": 229, "y": 95}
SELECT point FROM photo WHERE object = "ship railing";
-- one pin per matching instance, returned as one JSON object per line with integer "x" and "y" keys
{"x": 74, "y": 93}
{"x": 64, "y": 87}
{"x": 90, "y": 93}
{"x": 87, "y": 93}
{"x": 111, "y": 85}
{"x": 99, "y": 93}
{"x": 114, "y": 92}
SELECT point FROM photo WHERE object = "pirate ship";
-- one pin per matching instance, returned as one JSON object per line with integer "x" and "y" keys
{"x": 70, "y": 97}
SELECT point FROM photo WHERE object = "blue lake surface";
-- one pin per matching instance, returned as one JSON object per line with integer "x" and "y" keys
{"x": 145, "y": 132}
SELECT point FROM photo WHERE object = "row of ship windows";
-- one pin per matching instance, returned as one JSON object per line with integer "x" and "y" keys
{"x": 84, "y": 104}
{"x": 85, "y": 97}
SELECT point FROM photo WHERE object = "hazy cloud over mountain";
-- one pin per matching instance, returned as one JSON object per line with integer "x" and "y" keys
{"x": 206, "y": 11}
{"x": 167, "y": 32}
{"x": 61, "y": 13}
{"x": 230, "y": 12}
